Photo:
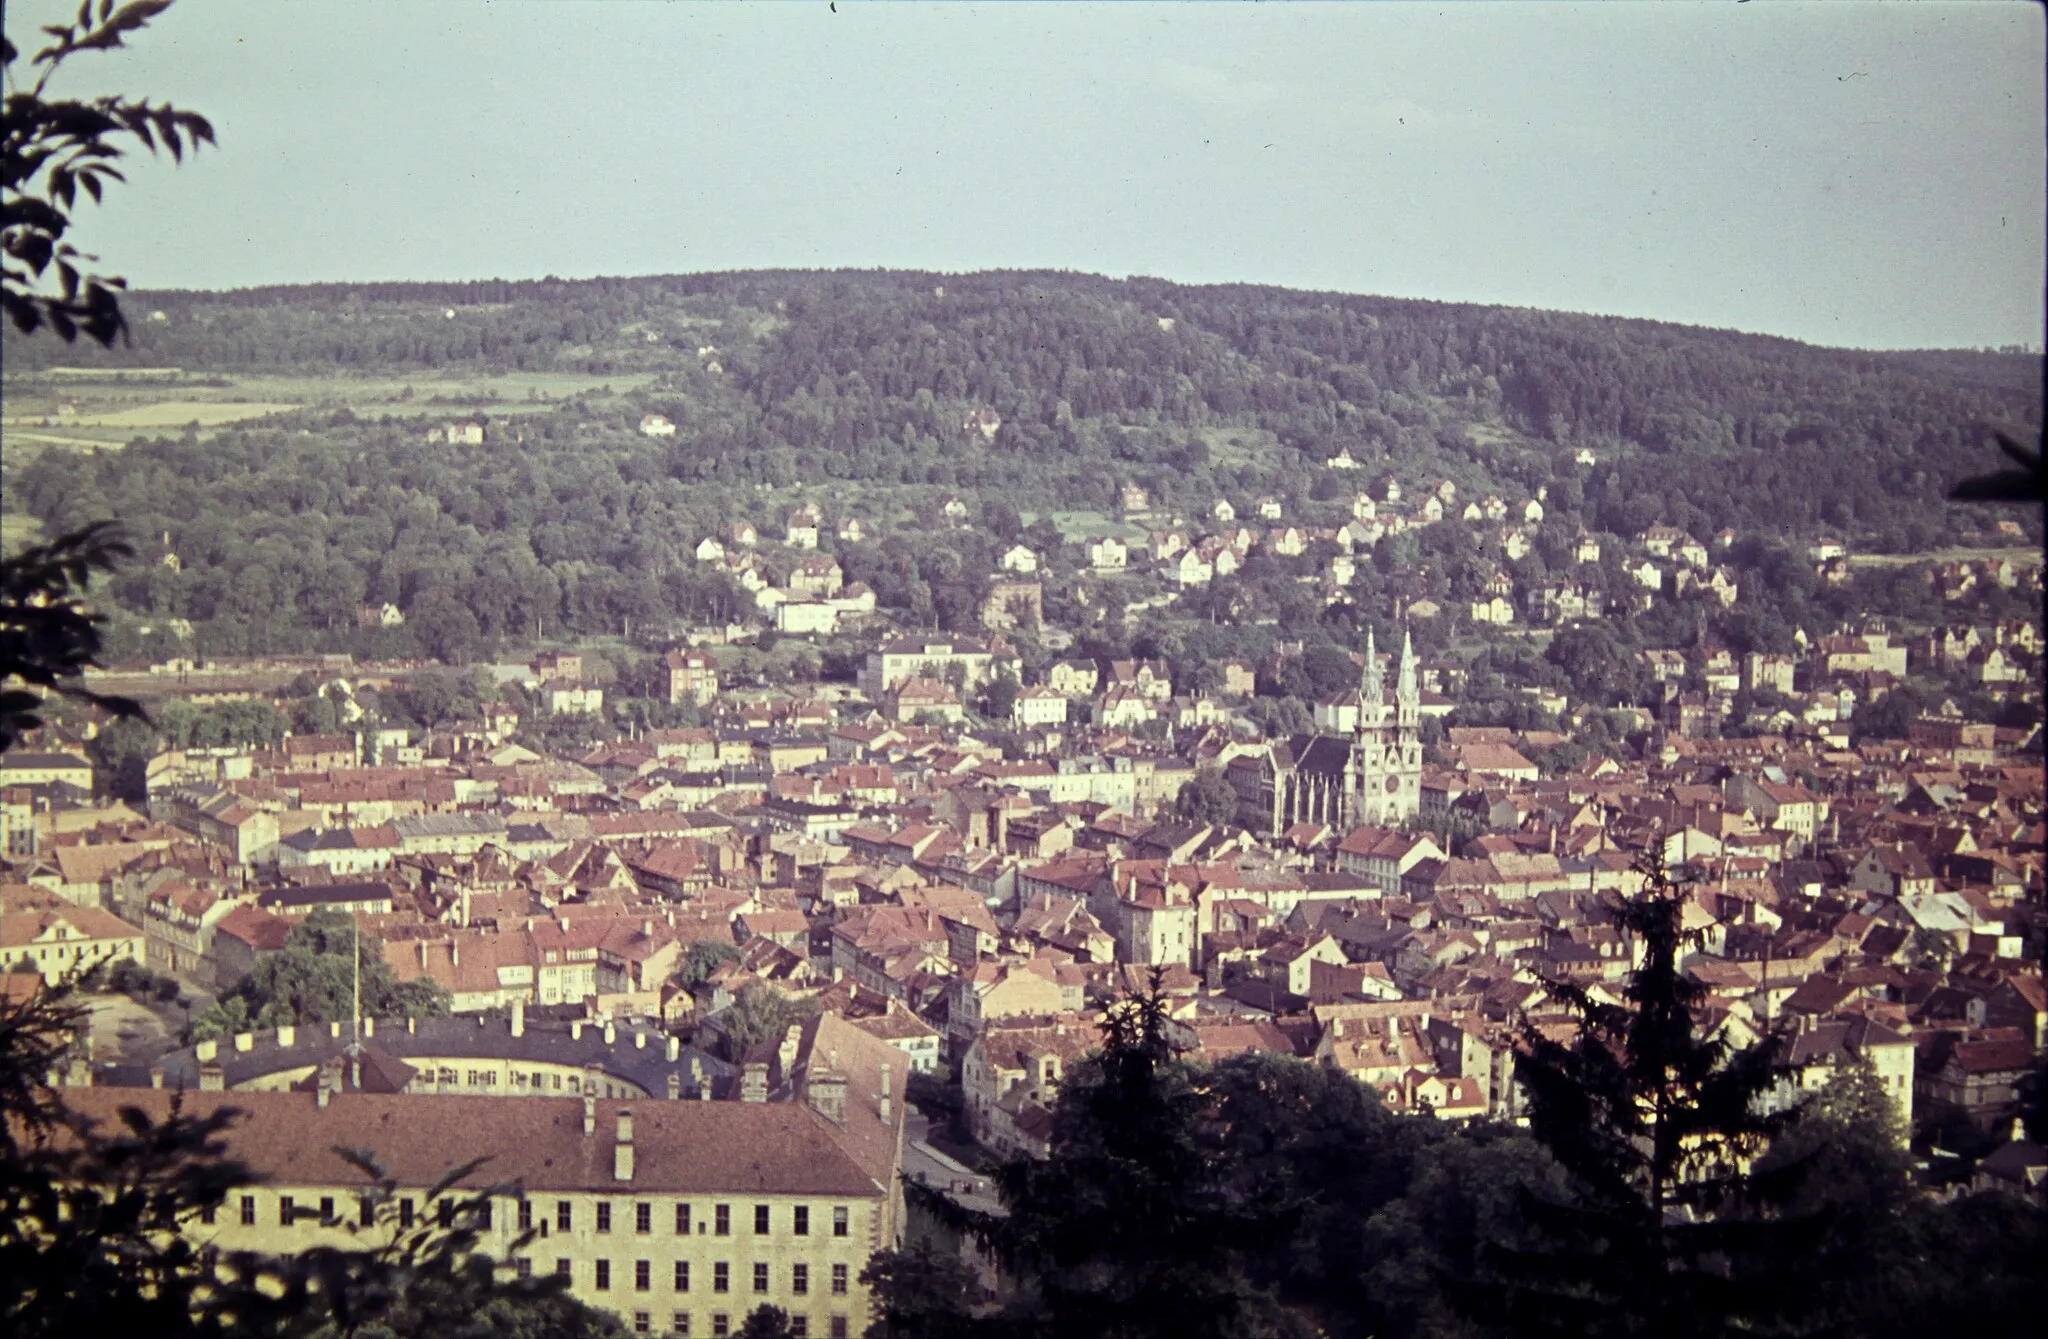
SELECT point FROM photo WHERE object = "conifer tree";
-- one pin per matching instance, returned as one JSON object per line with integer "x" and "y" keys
{"x": 1668, "y": 1230}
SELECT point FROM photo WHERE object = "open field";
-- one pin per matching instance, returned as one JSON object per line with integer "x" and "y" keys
{"x": 90, "y": 413}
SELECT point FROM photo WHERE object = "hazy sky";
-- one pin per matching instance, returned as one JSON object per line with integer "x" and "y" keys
{"x": 1853, "y": 174}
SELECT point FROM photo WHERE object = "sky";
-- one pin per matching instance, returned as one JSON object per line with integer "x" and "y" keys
{"x": 1856, "y": 174}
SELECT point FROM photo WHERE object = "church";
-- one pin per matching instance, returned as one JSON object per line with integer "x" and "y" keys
{"x": 1362, "y": 765}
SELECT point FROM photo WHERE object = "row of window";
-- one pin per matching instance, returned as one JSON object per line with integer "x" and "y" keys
{"x": 721, "y": 1276}
{"x": 289, "y": 1212}
{"x": 720, "y": 1225}
{"x": 721, "y": 1324}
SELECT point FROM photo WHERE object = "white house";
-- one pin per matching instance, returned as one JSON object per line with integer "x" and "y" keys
{"x": 1108, "y": 554}
{"x": 657, "y": 425}
{"x": 1019, "y": 558}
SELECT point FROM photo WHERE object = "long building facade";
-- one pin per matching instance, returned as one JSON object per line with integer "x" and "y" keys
{"x": 1370, "y": 773}
{"x": 682, "y": 1216}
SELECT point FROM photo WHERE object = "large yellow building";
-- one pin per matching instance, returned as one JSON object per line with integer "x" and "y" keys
{"x": 681, "y": 1216}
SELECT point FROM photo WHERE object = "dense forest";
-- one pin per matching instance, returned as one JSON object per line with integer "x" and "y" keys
{"x": 852, "y": 388}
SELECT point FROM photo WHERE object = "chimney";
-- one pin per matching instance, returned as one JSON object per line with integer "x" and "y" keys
{"x": 675, "y": 1086}
{"x": 323, "y": 1091}
{"x": 412, "y": 1024}
{"x": 589, "y": 1115}
{"x": 887, "y": 1092}
{"x": 622, "y": 1152}
{"x": 423, "y": 953}
{"x": 646, "y": 929}
{"x": 334, "y": 1028}
{"x": 207, "y": 1050}
{"x": 369, "y": 1027}
{"x": 287, "y": 1035}
{"x": 211, "y": 1077}
{"x": 454, "y": 954}
{"x": 675, "y": 1048}
{"x": 576, "y": 1030}
{"x": 519, "y": 1016}
{"x": 754, "y": 1082}
{"x": 786, "y": 1053}
{"x": 156, "y": 1076}
{"x": 610, "y": 1033}
{"x": 245, "y": 1042}
{"x": 828, "y": 1097}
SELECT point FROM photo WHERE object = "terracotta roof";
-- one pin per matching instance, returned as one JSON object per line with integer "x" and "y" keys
{"x": 683, "y": 1147}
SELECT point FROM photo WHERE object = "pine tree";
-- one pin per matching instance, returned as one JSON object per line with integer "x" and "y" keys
{"x": 1657, "y": 1123}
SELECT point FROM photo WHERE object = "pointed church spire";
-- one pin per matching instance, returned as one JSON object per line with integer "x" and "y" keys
{"x": 1372, "y": 689}
{"x": 1406, "y": 686}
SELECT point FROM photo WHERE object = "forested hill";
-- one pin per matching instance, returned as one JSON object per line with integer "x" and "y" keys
{"x": 856, "y": 385}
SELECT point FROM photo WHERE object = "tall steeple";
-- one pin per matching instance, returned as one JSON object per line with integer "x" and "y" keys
{"x": 1405, "y": 688}
{"x": 1372, "y": 689}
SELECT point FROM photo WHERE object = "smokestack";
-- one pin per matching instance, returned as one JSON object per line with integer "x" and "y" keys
{"x": 639, "y": 1041}
{"x": 675, "y": 1048}
{"x": 610, "y": 1034}
{"x": 675, "y": 1086}
{"x": 519, "y": 1016}
{"x": 754, "y": 1082}
{"x": 589, "y": 1115}
{"x": 887, "y": 1091}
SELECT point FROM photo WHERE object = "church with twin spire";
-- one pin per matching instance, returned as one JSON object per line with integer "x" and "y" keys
{"x": 1363, "y": 763}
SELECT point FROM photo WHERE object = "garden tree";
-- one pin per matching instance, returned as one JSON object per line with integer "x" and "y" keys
{"x": 434, "y": 697}
{"x": 761, "y": 1014}
{"x": 1207, "y": 798}
{"x": 48, "y": 634}
{"x": 92, "y": 1240}
{"x": 54, "y": 148}
{"x": 701, "y": 959}
{"x": 314, "y": 979}
{"x": 767, "y": 1322}
{"x": 922, "y": 1292}
{"x": 1655, "y": 1122}
{"x": 999, "y": 696}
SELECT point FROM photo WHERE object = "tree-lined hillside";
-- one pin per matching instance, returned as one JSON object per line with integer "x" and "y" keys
{"x": 854, "y": 387}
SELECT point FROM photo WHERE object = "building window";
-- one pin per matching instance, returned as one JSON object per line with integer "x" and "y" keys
{"x": 248, "y": 1211}
{"x": 800, "y": 1327}
{"x": 483, "y": 1213}
{"x": 842, "y": 1221}
{"x": 722, "y": 1220}
{"x": 800, "y": 1220}
{"x": 539, "y": 1080}
{"x": 643, "y": 1218}
{"x": 563, "y": 1215}
{"x": 604, "y": 1216}
{"x": 206, "y": 1214}
{"x": 838, "y": 1327}
{"x": 800, "y": 1279}
{"x": 405, "y": 1212}
{"x": 327, "y": 1209}
{"x": 561, "y": 1269}
{"x": 721, "y": 1324}
{"x": 643, "y": 1275}
{"x": 642, "y": 1322}
{"x": 760, "y": 1220}
{"x": 366, "y": 1212}
{"x": 679, "y": 1323}
{"x": 526, "y": 1215}
{"x": 683, "y": 1220}
{"x": 284, "y": 1210}
{"x": 839, "y": 1280}
{"x": 444, "y": 1212}
{"x": 604, "y": 1276}
{"x": 682, "y": 1276}
{"x": 761, "y": 1278}
{"x": 721, "y": 1277}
